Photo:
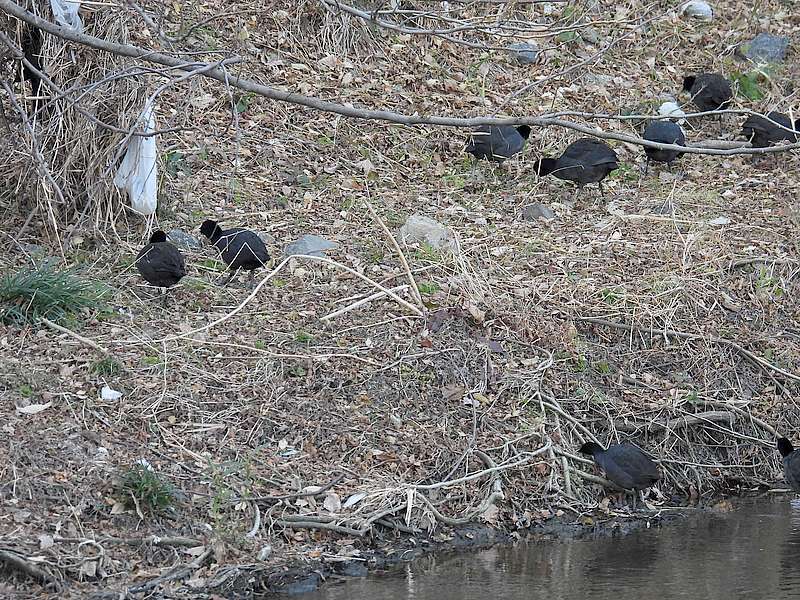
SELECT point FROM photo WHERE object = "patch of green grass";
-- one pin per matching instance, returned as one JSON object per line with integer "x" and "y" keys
{"x": 767, "y": 284}
{"x": 151, "y": 360}
{"x": 106, "y": 366}
{"x": 566, "y": 36}
{"x": 428, "y": 287}
{"x": 625, "y": 172}
{"x": 749, "y": 85}
{"x": 32, "y": 294}
{"x": 213, "y": 264}
{"x": 278, "y": 283}
{"x": 176, "y": 163}
{"x": 244, "y": 101}
{"x": 427, "y": 253}
{"x": 602, "y": 367}
{"x": 303, "y": 337}
{"x": 456, "y": 181}
{"x": 141, "y": 487}
{"x": 25, "y": 391}
{"x": 581, "y": 364}
{"x": 611, "y": 296}
{"x": 259, "y": 344}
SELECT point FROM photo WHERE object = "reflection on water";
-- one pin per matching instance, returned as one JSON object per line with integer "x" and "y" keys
{"x": 752, "y": 552}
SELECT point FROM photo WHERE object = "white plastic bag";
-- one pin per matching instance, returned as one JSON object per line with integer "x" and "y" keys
{"x": 66, "y": 13}
{"x": 138, "y": 173}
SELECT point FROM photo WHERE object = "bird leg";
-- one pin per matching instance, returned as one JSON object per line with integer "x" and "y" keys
{"x": 164, "y": 297}
{"x": 250, "y": 279}
{"x": 600, "y": 185}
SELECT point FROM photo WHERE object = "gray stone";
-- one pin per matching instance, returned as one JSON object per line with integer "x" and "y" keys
{"x": 590, "y": 35}
{"x": 524, "y": 53}
{"x": 35, "y": 250}
{"x": 267, "y": 238}
{"x": 184, "y": 240}
{"x": 697, "y": 9}
{"x": 309, "y": 244}
{"x": 765, "y": 47}
{"x": 536, "y": 211}
{"x": 419, "y": 228}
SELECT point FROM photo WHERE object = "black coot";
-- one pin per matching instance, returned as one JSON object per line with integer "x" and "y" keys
{"x": 497, "y": 142}
{"x": 160, "y": 263}
{"x": 764, "y": 132}
{"x": 663, "y": 132}
{"x": 624, "y": 464}
{"x": 791, "y": 463}
{"x": 240, "y": 248}
{"x": 709, "y": 91}
{"x": 587, "y": 160}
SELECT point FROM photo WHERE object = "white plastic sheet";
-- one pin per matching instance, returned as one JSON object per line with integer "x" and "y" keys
{"x": 66, "y": 14}
{"x": 138, "y": 173}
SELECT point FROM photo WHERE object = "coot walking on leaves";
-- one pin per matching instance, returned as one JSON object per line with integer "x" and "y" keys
{"x": 791, "y": 463}
{"x": 587, "y": 160}
{"x": 497, "y": 142}
{"x": 764, "y": 132}
{"x": 160, "y": 263}
{"x": 663, "y": 132}
{"x": 240, "y": 248}
{"x": 709, "y": 91}
{"x": 624, "y": 464}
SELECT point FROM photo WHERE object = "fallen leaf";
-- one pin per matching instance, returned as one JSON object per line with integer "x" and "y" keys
{"x": 33, "y": 409}
{"x": 332, "y": 503}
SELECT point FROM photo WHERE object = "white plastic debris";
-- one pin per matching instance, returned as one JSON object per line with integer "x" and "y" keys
{"x": 671, "y": 109}
{"x": 66, "y": 14}
{"x": 138, "y": 173}
{"x": 110, "y": 394}
{"x": 698, "y": 9}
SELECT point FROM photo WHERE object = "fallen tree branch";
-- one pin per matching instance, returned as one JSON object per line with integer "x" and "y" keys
{"x": 679, "y": 422}
{"x": 17, "y": 562}
{"x": 69, "y": 332}
{"x": 347, "y": 110}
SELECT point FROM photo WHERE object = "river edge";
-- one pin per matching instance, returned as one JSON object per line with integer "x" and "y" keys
{"x": 304, "y": 576}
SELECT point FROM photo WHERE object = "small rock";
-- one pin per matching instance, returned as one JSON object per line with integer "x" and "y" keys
{"x": 267, "y": 238}
{"x": 590, "y": 35}
{"x": 264, "y": 553}
{"x": 765, "y": 48}
{"x": 184, "y": 240}
{"x": 35, "y": 250}
{"x": 419, "y": 228}
{"x": 671, "y": 109}
{"x": 697, "y": 9}
{"x": 536, "y": 211}
{"x": 524, "y": 53}
{"x": 309, "y": 244}
{"x": 599, "y": 78}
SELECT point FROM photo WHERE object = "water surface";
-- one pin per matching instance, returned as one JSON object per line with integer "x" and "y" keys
{"x": 752, "y": 552}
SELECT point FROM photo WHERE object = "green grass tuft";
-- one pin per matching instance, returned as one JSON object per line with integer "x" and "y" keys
{"x": 141, "y": 485}
{"x": 32, "y": 294}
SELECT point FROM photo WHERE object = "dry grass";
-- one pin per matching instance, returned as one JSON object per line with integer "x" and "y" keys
{"x": 699, "y": 302}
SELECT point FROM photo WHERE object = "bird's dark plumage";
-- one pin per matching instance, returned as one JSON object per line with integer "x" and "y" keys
{"x": 624, "y": 464}
{"x": 709, "y": 91}
{"x": 497, "y": 142}
{"x": 31, "y": 50}
{"x": 763, "y": 132}
{"x": 587, "y": 160}
{"x": 160, "y": 263}
{"x": 663, "y": 132}
{"x": 240, "y": 248}
{"x": 791, "y": 463}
